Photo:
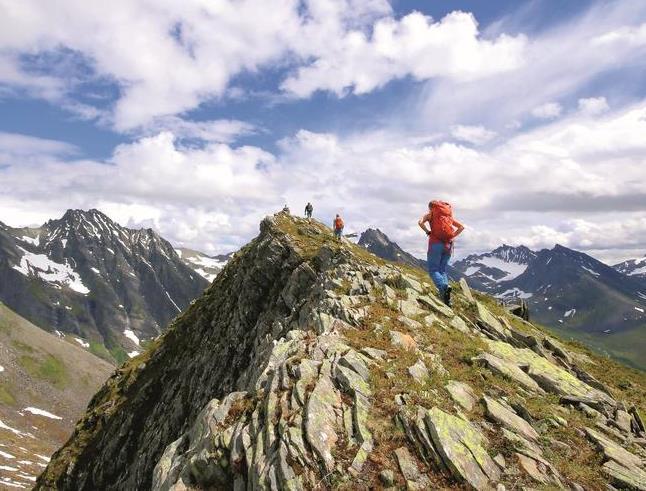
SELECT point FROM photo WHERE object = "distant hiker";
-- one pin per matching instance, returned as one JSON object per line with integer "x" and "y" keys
{"x": 338, "y": 226}
{"x": 308, "y": 210}
{"x": 443, "y": 229}
{"x": 286, "y": 209}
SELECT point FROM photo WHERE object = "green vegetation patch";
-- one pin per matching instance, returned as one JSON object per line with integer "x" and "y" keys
{"x": 50, "y": 369}
{"x": 19, "y": 345}
{"x": 6, "y": 395}
{"x": 101, "y": 351}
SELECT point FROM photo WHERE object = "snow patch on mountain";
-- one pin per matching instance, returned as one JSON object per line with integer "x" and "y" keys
{"x": 50, "y": 271}
{"x": 41, "y": 412}
{"x": 85, "y": 344}
{"x": 591, "y": 271}
{"x": 131, "y": 336}
{"x": 31, "y": 240}
{"x": 513, "y": 269}
{"x": 514, "y": 293}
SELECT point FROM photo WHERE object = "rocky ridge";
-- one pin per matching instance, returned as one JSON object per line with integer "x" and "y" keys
{"x": 312, "y": 364}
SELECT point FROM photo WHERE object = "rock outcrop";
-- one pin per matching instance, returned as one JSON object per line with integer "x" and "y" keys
{"x": 311, "y": 364}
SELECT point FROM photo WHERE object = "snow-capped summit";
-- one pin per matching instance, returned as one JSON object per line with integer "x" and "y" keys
{"x": 502, "y": 264}
{"x": 633, "y": 267}
{"x": 86, "y": 274}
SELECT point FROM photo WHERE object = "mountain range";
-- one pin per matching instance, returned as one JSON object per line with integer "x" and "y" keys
{"x": 566, "y": 290}
{"x": 111, "y": 287}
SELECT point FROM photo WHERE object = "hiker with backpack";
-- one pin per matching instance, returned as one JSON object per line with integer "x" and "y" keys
{"x": 443, "y": 230}
{"x": 308, "y": 210}
{"x": 338, "y": 226}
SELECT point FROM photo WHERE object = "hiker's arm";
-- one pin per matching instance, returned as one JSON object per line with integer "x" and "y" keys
{"x": 459, "y": 227}
{"x": 422, "y": 224}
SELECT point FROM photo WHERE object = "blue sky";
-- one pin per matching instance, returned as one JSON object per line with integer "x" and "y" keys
{"x": 200, "y": 118}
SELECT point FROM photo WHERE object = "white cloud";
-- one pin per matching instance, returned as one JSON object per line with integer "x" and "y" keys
{"x": 212, "y": 196}
{"x": 477, "y": 135}
{"x": 593, "y": 105}
{"x": 549, "y": 110}
{"x": 561, "y": 62}
{"x": 168, "y": 57}
{"x": 219, "y": 130}
{"x": 414, "y": 46}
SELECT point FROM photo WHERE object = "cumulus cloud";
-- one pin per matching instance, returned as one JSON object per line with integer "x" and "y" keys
{"x": 477, "y": 135}
{"x": 549, "y": 110}
{"x": 414, "y": 46}
{"x": 168, "y": 57}
{"x": 212, "y": 196}
{"x": 593, "y": 105}
{"x": 560, "y": 62}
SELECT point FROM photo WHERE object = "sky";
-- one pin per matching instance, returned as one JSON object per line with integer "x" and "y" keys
{"x": 198, "y": 118}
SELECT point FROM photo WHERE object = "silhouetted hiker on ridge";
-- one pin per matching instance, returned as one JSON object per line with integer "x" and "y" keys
{"x": 443, "y": 230}
{"x": 308, "y": 210}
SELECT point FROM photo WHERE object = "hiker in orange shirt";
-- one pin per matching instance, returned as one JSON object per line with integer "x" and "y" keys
{"x": 338, "y": 226}
{"x": 443, "y": 230}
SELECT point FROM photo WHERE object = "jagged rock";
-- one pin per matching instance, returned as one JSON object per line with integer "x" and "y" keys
{"x": 375, "y": 354}
{"x": 550, "y": 377}
{"x": 418, "y": 371}
{"x": 521, "y": 444}
{"x": 411, "y": 324}
{"x": 509, "y": 370}
{"x": 414, "y": 478}
{"x": 539, "y": 469}
{"x": 410, "y": 308}
{"x": 354, "y": 361}
{"x": 434, "y": 304}
{"x": 321, "y": 422}
{"x": 623, "y": 421}
{"x": 402, "y": 341}
{"x": 492, "y": 325}
{"x": 466, "y": 291}
{"x": 462, "y": 394}
{"x": 458, "y": 323}
{"x": 461, "y": 448}
{"x": 625, "y": 478}
{"x": 613, "y": 451}
{"x": 508, "y": 419}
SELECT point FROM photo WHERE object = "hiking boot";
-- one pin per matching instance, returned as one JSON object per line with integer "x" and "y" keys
{"x": 446, "y": 296}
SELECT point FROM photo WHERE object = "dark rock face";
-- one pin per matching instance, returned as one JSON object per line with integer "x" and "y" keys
{"x": 311, "y": 363}
{"x": 380, "y": 245}
{"x": 84, "y": 274}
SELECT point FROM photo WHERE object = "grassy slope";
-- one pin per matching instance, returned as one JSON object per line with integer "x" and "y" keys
{"x": 42, "y": 371}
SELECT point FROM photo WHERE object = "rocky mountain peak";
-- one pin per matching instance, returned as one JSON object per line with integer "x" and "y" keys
{"x": 310, "y": 362}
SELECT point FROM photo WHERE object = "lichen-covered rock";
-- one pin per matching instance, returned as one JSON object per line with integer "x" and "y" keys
{"x": 625, "y": 478}
{"x": 462, "y": 394}
{"x": 508, "y": 369}
{"x": 500, "y": 414}
{"x": 462, "y": 449}
{"x": 550, "y": 377}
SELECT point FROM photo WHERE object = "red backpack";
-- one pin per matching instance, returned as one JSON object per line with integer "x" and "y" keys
{"x": 442, "y": 221}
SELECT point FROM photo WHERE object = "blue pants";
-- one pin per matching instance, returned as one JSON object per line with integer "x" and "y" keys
{"x": 437, "y": 260}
